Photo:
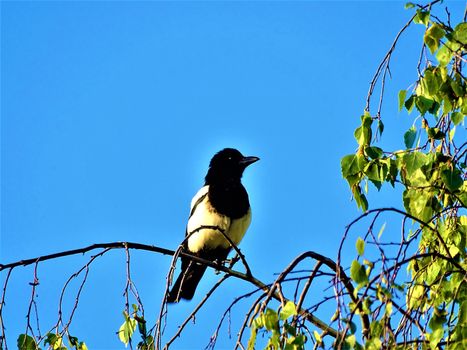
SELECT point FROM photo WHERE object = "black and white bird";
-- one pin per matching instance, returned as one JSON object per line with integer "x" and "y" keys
{"x": 222, "y": 203}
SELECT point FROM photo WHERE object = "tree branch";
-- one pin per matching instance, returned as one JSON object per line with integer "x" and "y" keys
{"x": 131, "y": 245}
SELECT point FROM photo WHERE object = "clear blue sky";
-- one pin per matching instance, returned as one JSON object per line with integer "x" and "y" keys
{"x": 110, "y": 112}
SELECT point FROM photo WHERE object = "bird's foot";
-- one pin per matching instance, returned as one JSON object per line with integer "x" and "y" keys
{"x": 221, "y": 263}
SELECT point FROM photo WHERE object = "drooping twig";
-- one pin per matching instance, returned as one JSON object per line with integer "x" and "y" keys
{"x": 3, "y": 344}
{"x": 383, "y": 67}
{"x": 213, "y": 339}
{"x": 196, "y": 309}
{"x": 62, "y": 294}
{"x": 32, "y": 301}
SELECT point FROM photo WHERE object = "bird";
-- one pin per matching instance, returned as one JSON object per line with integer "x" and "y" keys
{"x": 221, "y": 204}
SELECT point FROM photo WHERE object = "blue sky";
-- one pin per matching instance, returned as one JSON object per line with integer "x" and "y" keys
{"x": 110, "y": 112}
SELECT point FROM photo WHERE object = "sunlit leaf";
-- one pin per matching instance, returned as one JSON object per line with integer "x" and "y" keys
{"x": 401, "y": 97}
{"x": 460, "y": 33}
{"x": 360, "y": 245}
{"x": 288, "y": 310}
{"x": 357, "y": 272}
{"x": 414, "y": 161}
{"x": 432, "y": 37}
{"x": 457, "y": 118}
{"x": 444, "y": 56}
{"x": 422, "y": 17}
{"x": 126, "y": 330}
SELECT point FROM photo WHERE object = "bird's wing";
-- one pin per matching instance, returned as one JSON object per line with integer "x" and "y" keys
{"x": 203, "y": 214}
{"x": 198, "y": 198}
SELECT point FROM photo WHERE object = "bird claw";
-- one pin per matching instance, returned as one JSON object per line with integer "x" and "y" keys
{"x": 221, "y": 263}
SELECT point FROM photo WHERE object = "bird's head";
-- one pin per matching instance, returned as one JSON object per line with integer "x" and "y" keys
{"x": 228, "y": 165}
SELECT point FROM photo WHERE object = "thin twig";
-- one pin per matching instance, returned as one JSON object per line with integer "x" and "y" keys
{"x": 3, "y": 343}
{"x": 193, "y": 313}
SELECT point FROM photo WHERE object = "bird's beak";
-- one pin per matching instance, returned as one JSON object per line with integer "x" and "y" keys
{"x": 248, "y": 160}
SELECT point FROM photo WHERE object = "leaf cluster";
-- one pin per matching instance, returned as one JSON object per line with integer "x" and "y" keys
{"x": 128, "y": 328}
{"x": 51, "y": 341}
{"x": 432, "y": 172}
{"x": 282, "y": 333}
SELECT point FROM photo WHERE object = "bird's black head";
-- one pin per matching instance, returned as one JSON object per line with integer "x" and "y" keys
{"x": 227, "y": 165}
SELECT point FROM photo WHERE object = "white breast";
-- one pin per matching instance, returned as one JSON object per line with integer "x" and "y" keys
{"x": 205, "y": 215}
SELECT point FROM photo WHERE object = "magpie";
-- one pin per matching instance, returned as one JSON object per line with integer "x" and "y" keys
{"x": 221, "y": 203}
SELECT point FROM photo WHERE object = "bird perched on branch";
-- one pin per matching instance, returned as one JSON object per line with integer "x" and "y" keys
{"x": 222, "y": 205}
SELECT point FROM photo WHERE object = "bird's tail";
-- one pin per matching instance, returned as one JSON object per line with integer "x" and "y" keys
{"x": 186, "y": 283}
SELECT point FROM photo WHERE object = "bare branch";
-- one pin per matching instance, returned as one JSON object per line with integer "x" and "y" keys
{"x": 3, "y": 344}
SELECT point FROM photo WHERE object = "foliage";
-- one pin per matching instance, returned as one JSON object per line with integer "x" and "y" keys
{"x": 432, "y": 173}
{"x": 51, "y": 341}
{"x": 284, "y": 335}
{"x": 128, "y": 328}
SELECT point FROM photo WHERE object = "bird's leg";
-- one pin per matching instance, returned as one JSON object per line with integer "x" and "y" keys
{"x": 219, "y": 263}
{"x": 229, "y": 263}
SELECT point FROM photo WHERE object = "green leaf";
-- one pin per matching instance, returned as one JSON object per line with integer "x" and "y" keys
{"x": 360, "y": 198}
{"x": 444, "y": 56}
{"x": 270, "y": 319}
{"x": 457, "y": 118}
{"x": 360, "y": 245}
{"x": 258, "y": 322}
{"x": 402, "y": 95}
{"x": 288, "y": 310}
{"x": 410, "y": 137}
{"x": 460, "y": 33}
{"x": 388, "y": 309}
{"x": 51, "y": 339}
{"x": 127, "y": 329}
{"x": 409, "y": 5}
{"x": 418, "y": 178}
{"x": 436, "y": 134}
{"x": 424, "y": 104}
{"x": 430, "y": 83}
{"x": 422, "y": 17}
{"x": 273, "y": 342}
{"x": 432, "y": 37}
{"x": 410, "y": 103}
{"x": 437, "y": 326}
{"x": 56, "y": 341}
{"x": 432, "y": 272}
{"x": 317, "y": 337}
{"x": 452, "y": 179}
{"x": 372, "y": 171}
{"x": 380, "y": 127}
{"x": 414, "y": 161}
{"x": 373, "y": 152}
{"x": 447, "y": 103}
{"x": 463, "y": 313}
{"x": 252, "y": 340}
{"x": 362, "y": 162}
{"x": 26, "y": 342}
{"x": 376, "y": 329}
{"x": 363, "y": 135}
{"x": 415, "y": 296}
{"x": 457, "y": 88}
{"x": 349, "y": 165}
{"x": 357, "y": 272}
